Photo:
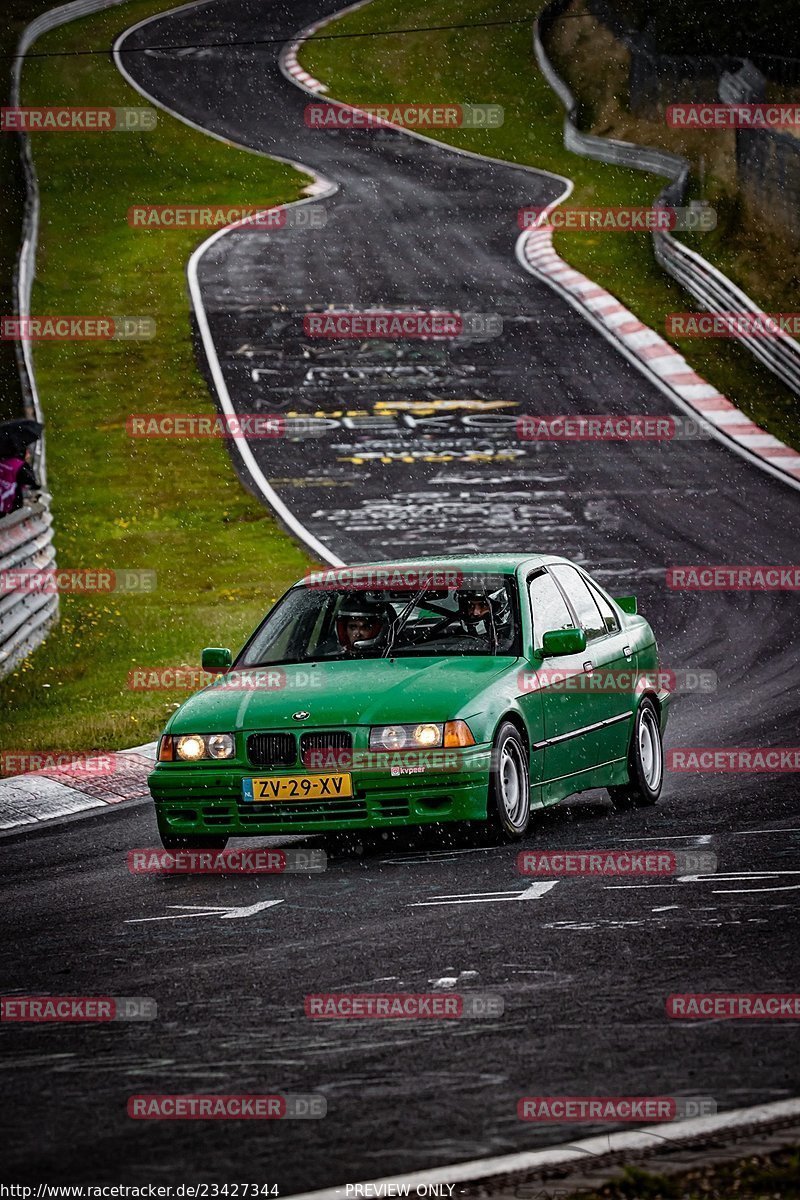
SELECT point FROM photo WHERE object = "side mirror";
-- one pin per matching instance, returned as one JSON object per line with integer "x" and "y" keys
{"x": 215, "y": 659}
{"x": 563, "y": 641}
{"x": 627, "y": 604}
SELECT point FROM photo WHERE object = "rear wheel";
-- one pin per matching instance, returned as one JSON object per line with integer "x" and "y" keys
{"x": 509, "y": 784}
{"x": 645, "y": 761}
{"x": 172, "y": 841}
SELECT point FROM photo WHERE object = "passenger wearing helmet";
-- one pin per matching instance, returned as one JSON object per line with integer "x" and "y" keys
{"x": 362, "y": 625}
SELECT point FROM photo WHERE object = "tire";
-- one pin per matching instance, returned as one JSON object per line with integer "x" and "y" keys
{"x": 509, "y": 806}
{"x": 172, "y": 841}
{"x": 645, "y": 762}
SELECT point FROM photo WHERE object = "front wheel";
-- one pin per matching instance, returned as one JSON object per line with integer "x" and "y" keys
{"x": 509, "y": 784}
{"x": 172, "y": 841}
{"x": 645, "y": 761}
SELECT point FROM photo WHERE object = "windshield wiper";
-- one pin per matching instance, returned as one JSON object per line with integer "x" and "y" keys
{"x": 400, "y": 621}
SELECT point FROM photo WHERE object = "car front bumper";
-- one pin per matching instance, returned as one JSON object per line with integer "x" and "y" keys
{"x": 207, "y": 800}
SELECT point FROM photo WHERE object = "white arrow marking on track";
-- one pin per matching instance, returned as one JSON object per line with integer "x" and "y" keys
{"x": 721, "y": 877}
{"x": 224, "y": 912}
{"x": 534, "y": 892}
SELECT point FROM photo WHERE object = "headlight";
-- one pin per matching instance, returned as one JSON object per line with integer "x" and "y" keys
{"x": 220, "y": 745}
{"x": 398, "y": 737}
{"x": 193, "y": 747}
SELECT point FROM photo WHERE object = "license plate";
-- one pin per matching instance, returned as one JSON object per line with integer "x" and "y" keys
{"x": 297, "y": 787}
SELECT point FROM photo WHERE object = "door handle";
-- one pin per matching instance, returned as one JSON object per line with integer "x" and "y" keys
{"x": 626, "y": 650}
{"x": 588, "y": 667}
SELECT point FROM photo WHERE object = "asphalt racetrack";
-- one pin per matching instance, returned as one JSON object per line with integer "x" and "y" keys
{"x": 584, "y": 968}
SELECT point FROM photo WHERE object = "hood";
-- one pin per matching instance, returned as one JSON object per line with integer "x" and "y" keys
{"x": 352, "y": 692}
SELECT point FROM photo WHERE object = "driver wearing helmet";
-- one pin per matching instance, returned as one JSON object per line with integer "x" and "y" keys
{"x": 362, "y": 625}
{"x": 484, "y": 614}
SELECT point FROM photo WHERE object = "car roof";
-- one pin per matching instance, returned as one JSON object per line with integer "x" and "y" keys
{"x": 502, "y": 564}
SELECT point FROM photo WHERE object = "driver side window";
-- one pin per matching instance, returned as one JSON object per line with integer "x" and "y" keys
{"x": 549, "y": 608}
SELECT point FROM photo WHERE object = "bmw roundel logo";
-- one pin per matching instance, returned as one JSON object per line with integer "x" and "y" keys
{"x": 300, "y": 716}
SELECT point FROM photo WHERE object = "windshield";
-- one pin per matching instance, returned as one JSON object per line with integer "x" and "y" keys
{"x": 315, "y": 624}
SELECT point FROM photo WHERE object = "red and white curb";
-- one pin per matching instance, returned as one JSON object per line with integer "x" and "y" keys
{"x": 654, "y": 355}
{"x": 288, "y": 57}
{"x": 640, "y": 344}
{"x": 294, "y": 69}
{"x": 560, "y": 1159}
{"x": 61, "y": 791}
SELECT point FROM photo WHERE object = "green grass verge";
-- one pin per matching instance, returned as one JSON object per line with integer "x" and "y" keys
{"x": 176, "y": 507}
{"x": 496, "y": 65}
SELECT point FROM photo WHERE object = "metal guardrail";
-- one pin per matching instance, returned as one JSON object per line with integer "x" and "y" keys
{"x": 25, "y": 618}
{"x": 25, "y": 615}
{"x": 712, "y": 290}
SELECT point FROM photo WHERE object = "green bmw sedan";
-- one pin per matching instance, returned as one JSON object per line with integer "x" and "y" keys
{"x": 394, "y": 694}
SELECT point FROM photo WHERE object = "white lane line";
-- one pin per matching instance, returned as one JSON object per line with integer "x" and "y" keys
{"x": 789, "y": 887}
{"x": 721, "y": 877}
{"x": 512, "y": 892}
{"x": 648, "y": 1138}
{"x": 753, "y": 832}
{"x": 322, "y": 187}
{"x": 702, "y": 838}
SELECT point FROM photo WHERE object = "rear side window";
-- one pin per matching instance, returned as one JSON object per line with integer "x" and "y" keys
{"x": 606, "y": 611}
{"x": 549, "y": 608}
{"x": 581, "y": 600}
